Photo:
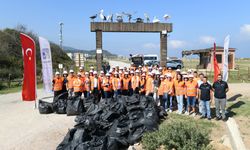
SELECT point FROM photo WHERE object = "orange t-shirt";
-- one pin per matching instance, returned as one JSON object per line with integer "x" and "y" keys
{"x": 191, "y": 88}
{"x": 179, "y": 87}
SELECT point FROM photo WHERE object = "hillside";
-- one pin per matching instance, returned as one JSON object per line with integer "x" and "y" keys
{"x": 11, "y": 53}
{"x": 90, "y": 52}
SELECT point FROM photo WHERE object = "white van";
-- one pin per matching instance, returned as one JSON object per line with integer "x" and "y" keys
{"x": 149, "y": 58}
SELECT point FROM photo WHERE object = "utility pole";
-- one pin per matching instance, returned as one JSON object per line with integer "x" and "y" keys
{"x": 61, "y": 35}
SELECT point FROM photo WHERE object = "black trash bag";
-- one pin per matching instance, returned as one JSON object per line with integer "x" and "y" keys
{"x": 135, "y": 135}
{"x": 74, "y": 107}
{"x": 133, "y": 100}
{"x": 65, "y": 144}
{"x": 45, "y": 107}
{"x": 98, "y": 143}
{"x": 60, "y": 106}
{"x": 117, "y": 144}
{"x": 161, "y": 112}
{"x": 151, "y": 119}
{"x": 88, "y": 101}
{"x": 110, "y": 116}
{"x": 63, "y": 95}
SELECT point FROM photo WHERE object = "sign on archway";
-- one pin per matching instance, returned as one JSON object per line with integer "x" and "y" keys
{"x": 162, "y": 28}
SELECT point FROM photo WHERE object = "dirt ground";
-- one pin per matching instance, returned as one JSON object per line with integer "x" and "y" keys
{"x": 23, "y": 128}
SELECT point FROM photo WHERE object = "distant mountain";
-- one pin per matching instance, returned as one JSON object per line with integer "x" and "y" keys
{"x": 68, "y": 49}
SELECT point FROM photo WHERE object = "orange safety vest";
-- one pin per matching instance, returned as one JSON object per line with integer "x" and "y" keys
{"x": 58, "y": 83}
{"x": 70, "y": 79}
{"x": 150, "y": 85}
{"x": 179, "y": 87}
{"x": 93, "y": 81}
{"x": 161, "y": 87}
{"x": 78, "y": 85}
{"x": 125, "y": 82}
{"x": 107, "y": 85}
{"x": 169, "y": 87}
{"x": 87, "y": 84}
{"x": 143, "y": 85}
{"x": 116, "y": 82}
{"x": 191, "y": 88}
{"x": 135, "y": 80}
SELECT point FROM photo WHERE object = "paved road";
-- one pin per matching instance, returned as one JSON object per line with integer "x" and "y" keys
{"x": 119, "y": 63}
{"x": 23, "y": 128}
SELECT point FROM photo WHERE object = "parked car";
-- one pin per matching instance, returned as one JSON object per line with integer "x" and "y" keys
{"x": 178, "y": 64}
{"x": 153, "y": 63}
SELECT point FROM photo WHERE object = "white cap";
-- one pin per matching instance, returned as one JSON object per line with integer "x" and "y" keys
{"x": 157, "y": 73}
{"x": 101, "y": 72}
{"x": 65, "y": 72}
{"x": 71, "y": 71}
{"x": 160, "y": 68}
{"x": 143, "y": 75}
{"x": 80, "y": 67}
{"x": 116, "y": 66}
{"x": 57, "y": 73}
{"x": 116, "y": 73}
{"x": 107, "y": 74}
{"x": 79, "y": 73}
{"x": 189, "y": 70}
{"x": 120, "y": 72}
{"x": 178, "y": 70}
{"x": 150, "y": 74}
{"x": 110, "y": 72}
{"x": 169, "y": 75}
{"x": 91, "y": 71}
{"x": 95, "y": 72}
{"x": 162, "y": 76}
{"x": 126, "y": 73}
{"x": 140, "y": 66}
{"x": 190, "y": 76}
{"x": 137, "y": 71}
{"x": 185, "y": 76}
{"x": 91, "y": 67}
{"x": 86, "y": 73}
{"x": 131, "y": 72}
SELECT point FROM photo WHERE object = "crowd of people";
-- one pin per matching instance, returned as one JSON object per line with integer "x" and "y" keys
{"x": 188, "y": 92}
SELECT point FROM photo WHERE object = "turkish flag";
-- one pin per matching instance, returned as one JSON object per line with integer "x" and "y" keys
{"x": 216, "y": 66}
{"x": 29, "y": 68}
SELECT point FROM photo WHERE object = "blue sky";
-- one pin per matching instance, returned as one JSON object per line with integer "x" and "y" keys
{"x": 196, "y": 23}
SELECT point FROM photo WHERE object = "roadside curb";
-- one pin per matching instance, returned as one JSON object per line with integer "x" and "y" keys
{"x": 234, "y": 134}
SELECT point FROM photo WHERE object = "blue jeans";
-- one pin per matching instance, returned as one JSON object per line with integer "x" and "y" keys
{"x": 165, "y": 101}
{"x": 205, "y": 108}
{"x": 180, "y": 103}
{"x": 107, "y": 94}
{"x": 117, "y": 92}
{"x": 191, "y": 101}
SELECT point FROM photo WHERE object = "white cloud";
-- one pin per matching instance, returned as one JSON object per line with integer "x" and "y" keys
{"x": 175, "y": 44}
{"x": 245, "y": 29}
{"x": 207, "y": 40}
{"x": 151, "y": 46}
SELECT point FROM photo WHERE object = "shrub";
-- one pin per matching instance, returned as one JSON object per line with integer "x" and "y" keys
{"x": 178, "y": 135}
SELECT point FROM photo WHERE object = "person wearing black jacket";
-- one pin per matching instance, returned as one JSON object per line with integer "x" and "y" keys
{"x": 220, "y": 89}
{"x": 205, "y": 95}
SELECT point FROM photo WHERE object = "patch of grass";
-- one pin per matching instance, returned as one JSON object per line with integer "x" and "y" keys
{"x": 180, "y": 132}
{"x": 240, "y": 107}
{"x": 16, "y": 89}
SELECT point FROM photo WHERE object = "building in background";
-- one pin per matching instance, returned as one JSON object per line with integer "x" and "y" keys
{"x": 78, "y": 58}
{"x": 206, "y": 57}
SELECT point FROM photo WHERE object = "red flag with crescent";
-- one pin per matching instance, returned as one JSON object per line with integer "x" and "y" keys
{"x": 216, "y": 66}
{"x": 29, "y": 68}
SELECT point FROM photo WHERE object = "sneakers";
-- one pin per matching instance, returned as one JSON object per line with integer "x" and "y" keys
{"x": 194, "y": 114}
{"x": 224, "y": 119}
{"x": 186, "y": 113}
{"x": 218, "y": 118}
{"x": 202, "y": 117}
{"x": 209, "y": 118}
{"x": 170, "y": 111}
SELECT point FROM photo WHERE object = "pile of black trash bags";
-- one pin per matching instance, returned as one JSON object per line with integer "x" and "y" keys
{"x": 112, "y": 124}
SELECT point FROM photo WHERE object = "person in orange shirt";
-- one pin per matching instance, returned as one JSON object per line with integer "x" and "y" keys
{"x": 107, "y": 86}
{"x": 81, "y": 70}
{"x": 87, "y": 84}
{"x": 191, "y": 94}
{"x": 57, "y": 84}
{"x": 179, "y": 86}
{"x": 70, "y": 79}
{"x": 95, "y": 87}
{"x": 126, "y": 84}
{"x": 78, "y": 85}
{"x": 150, "y": 85}
{"x": 143, "y": 84}
{"x": 135, "y": 81}
{"x": 100, "y": 78}
{"x": 196, "y": 78}
{"x": 117, "y": 85}
{"x": 168, "y": 93}
{"x": 160, "y": 90}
